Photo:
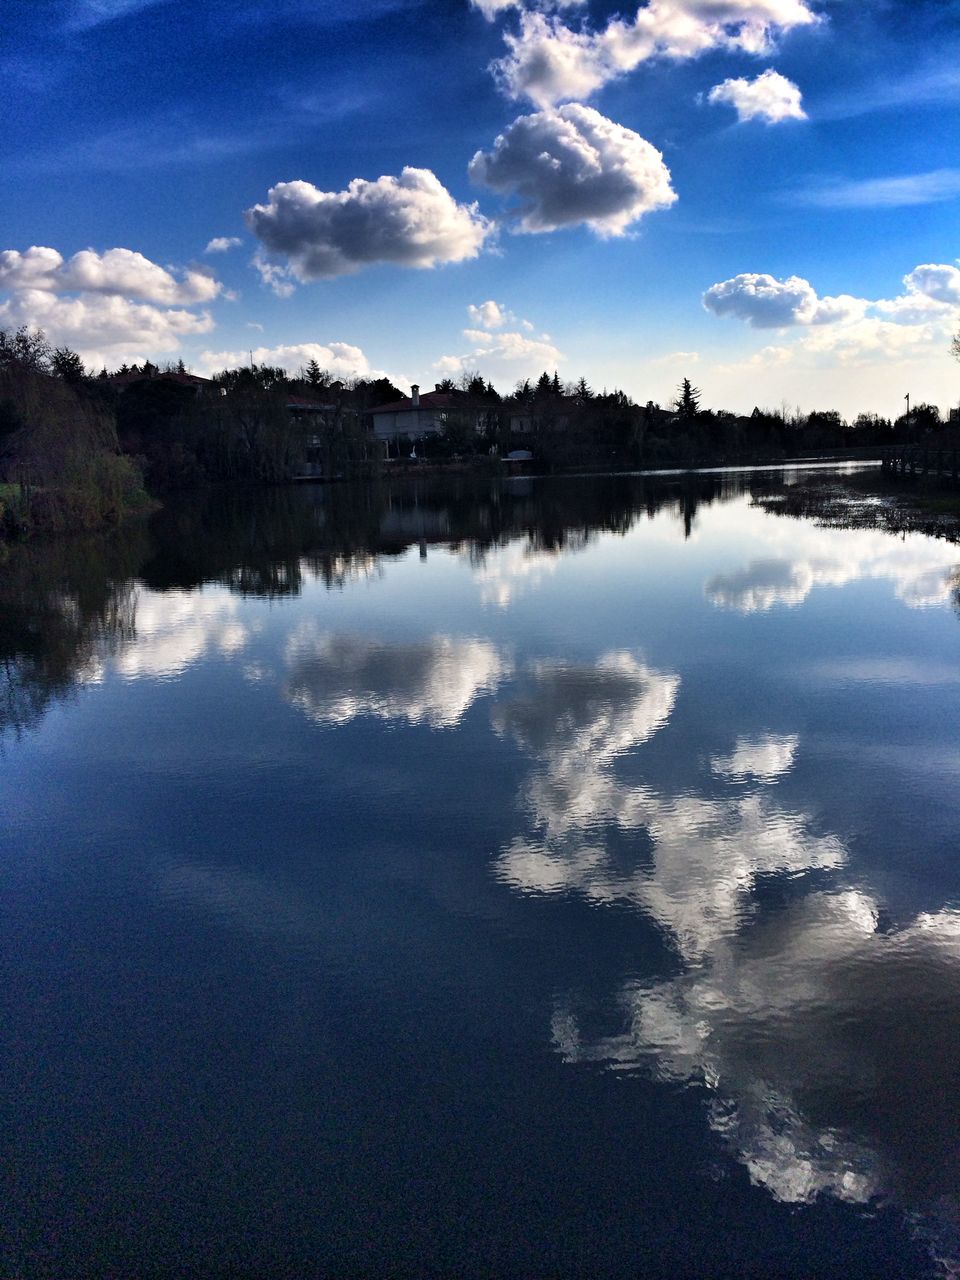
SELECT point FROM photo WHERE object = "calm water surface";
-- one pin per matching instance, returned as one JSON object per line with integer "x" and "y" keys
{"x": 539, "y": 879}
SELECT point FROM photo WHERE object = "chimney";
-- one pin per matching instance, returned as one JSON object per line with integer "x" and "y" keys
{"x": 415, "y": 396}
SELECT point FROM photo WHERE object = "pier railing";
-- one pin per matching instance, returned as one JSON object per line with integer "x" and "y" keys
{"x": 920, "y": 460}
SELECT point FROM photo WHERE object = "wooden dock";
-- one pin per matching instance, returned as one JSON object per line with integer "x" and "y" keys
{"x": 920, "y": 460}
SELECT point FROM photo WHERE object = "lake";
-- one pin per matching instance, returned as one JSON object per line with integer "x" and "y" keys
{"x": 528, "y": 878}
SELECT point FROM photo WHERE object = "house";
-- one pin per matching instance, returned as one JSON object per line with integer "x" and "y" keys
{"x": 552, "y": 412}
{"x": 304, "y": 409}
{"x": 150, "y": 373}
{"x": 429, "y": 414}
{"x": 413, "y": 416}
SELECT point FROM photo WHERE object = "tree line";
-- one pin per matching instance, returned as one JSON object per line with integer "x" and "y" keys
{"x": 79, "y": 450}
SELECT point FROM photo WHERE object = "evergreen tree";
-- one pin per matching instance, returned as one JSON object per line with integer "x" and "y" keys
{"x": 67, "y": 365}
{"x": 688, "y": 400}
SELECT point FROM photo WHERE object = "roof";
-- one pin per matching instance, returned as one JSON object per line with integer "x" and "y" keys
{"x": 304, "y": 402}
{"x": 429, "y": 400}
{"x": 162, "y": 375}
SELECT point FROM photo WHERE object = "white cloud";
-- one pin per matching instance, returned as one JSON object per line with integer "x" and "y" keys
{"x": 677, "y": 357}
{"x": 116, "y": 305}
{"x": 513, "y": 346}
{"x": 411, "y": 221}
{"x": 844, "y": 332}
{"x": 493, "y": 9}
{"x": 36, "y": 268}
{"x": 767, "y": 303}
{"x": 548, "y": 62}
{"x": 273, "y": 275}
{"x": 103, "y": 328}
{"x": 91, "y": 13}
{"x": 882, "y": 193}
{"x": 935, "y": 280}
{"x": 339, "y": 358}
{"x": 117, "y": 271}
{"x": 874, "y": 341}
{"x": 489, "y": 315}
{"x": 572, "y": 165}
{"x": 222, "y": 244}
{"x": 771, "y": 97}
{"x": 504, "y": 355}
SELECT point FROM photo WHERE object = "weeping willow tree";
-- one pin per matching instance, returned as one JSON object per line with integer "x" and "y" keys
{"x": 59, "y": 453}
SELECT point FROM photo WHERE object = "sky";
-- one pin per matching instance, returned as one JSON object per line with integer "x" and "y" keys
{"x": 760, "y": 195}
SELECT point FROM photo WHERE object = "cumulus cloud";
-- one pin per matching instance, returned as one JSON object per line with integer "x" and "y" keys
{"x": 493, "y": 8}
{"x": 489, "y": 315}
{"x": 117, "y": 271}
{"x": 339, "y": 358}
{"x": 875, "y": 341}
{"x": 767, "y": 303}
{"x": 103, "y": 328}
{"x": 843, "y": 331}
{"x": 411, "y": 221}
{"x": 771, "y": 97}
{"x": 506, "y": 354}
{"x": 936, "y": 281}
{"x": 549, "y": 62}
{"x": 116, "y": 305}
{"x": 222, "y": 244}
{"x": 572, "y": 165}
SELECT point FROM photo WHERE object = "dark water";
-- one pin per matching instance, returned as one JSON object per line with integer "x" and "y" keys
{"x": 558, "y": 878}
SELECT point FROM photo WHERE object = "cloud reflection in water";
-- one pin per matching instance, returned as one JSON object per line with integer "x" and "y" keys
{"x": 706, "y": 852}
{"x": 334, "y": 678}
{"x": 921, "y": 569}
{"x": 827, "y": 1044}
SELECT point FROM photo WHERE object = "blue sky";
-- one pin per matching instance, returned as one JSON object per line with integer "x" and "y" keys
{"x": 762, "y": 195}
